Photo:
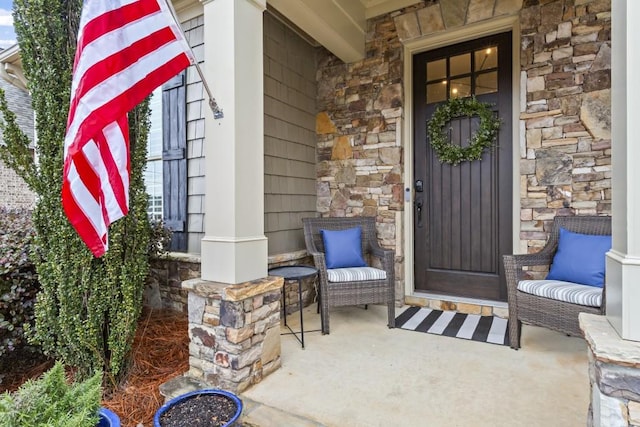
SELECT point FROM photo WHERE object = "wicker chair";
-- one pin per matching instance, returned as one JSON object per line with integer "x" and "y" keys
{"x": 334, "y": 294}
{"x": 531, "y": 309}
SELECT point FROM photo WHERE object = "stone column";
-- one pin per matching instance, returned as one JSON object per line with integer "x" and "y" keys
{"x": 234, "y": 249}
{"x": 234, "y": 331}
{"x": 623, "y": 261}
{"x": 614, "y": 374}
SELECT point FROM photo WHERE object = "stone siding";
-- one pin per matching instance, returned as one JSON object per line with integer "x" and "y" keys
{"x": 564, "y": 143}
{"x": 359, "y": 154}
{"x": 483, "y": 309}
{"x": 309, "y": 285}
{"x": 565, "y": 146}
{"x": 164, "y": 285}
{"x": 164, "y": 291}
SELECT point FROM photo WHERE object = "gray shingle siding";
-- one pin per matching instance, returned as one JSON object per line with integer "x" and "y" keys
{"x": 289, "y": 143}
{"x": 194, "y": 32}
{"x": 290, "y": 108}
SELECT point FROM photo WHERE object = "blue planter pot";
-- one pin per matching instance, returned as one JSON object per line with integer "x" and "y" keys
{"x": 186, "y": 396}
{"x": 108, "y": 418}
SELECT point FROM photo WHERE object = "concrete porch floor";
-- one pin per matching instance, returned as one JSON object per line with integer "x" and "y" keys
{"x": 364, "y": 374}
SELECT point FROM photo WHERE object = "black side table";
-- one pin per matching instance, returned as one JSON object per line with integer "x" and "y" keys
{"x": 294, "y": 273}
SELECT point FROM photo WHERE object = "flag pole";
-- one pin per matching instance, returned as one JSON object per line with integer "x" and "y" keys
{"x": 217, "y": 111}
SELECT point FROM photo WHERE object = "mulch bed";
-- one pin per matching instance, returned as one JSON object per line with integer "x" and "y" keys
{"x": 160, "y": 352}
{"x": 20, "y": 365}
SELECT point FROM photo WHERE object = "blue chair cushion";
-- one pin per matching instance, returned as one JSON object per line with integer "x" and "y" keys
{"x": 343, "y": 248}
{"x": 580, "y": 258}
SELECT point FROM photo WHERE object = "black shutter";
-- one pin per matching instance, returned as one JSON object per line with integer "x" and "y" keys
{"x": 174, "y": 160}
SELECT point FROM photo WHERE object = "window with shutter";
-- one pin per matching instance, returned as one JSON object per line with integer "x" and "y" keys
{"x": 166, "y": 173}
{"x": 153, "y": 172}
{"x": 174, "y": 160}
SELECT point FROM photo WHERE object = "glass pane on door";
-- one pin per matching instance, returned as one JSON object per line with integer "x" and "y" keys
{"x": 460, "y": 88}
{"x": 460, "y": 64}
{"x": 437, "y": 70}
{"x": 437, "y": 92}
{"x": 487, "y": 83}
{"x": 486, "y": 59}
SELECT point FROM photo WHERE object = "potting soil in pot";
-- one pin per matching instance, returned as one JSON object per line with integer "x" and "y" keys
{"x": 204, "y": 410}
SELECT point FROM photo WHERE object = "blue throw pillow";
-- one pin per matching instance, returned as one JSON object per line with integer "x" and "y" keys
{"x": 343, "y": 248}
{"x": 580, "y": 258}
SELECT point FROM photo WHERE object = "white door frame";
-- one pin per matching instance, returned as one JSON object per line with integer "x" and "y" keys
{"x": 434, "y": 41}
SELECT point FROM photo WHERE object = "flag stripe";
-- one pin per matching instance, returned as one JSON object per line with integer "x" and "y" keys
{"x": 125, "y": 50}
{"x": 118, "y": 63}
{"x": 90, "y": 178}
{"x": 114, "y": 148}
{"x": 78, "y": 200}
{"x": 133, "y": 83}
{"x": 94, "y": 9}
{"x": 110, "y": 20}
{"x": 113, "y": 42}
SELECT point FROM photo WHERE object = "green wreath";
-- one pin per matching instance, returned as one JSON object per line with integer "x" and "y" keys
{"x": 484, "y": 137}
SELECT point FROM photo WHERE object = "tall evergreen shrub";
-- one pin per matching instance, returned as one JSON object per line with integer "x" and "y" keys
{"x": 87, "y": 310}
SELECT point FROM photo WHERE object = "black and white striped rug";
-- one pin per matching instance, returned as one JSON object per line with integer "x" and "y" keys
{"x": 474, "y": 327}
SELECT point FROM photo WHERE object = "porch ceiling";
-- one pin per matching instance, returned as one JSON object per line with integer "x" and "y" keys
{"x": 339, "y": 25}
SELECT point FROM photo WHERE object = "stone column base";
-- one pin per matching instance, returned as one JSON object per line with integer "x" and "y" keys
{"x": 234, "y": 331}
{"x": 614, "y": 373}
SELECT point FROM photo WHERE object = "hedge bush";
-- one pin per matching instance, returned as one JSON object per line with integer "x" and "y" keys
{"x": 18, "y": 280}
{"x": 88, "y": 308}
{"x": 51, "y": 401}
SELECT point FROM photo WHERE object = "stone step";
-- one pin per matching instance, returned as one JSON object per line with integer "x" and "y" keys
{"x": 181, "y": 385}
{"x": 254, "y": 414}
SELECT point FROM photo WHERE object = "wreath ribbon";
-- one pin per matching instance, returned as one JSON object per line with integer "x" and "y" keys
{"x": 483, "y": 138}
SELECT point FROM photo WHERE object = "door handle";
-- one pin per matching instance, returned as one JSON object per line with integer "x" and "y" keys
{"x": 419, "y": 205}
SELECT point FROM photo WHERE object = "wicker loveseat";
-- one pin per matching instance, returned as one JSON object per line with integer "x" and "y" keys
{"x": 335, "y": 292}
{"x": 536, "y": 310}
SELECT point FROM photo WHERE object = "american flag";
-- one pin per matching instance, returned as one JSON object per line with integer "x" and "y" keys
{"x": 126, "y": 48}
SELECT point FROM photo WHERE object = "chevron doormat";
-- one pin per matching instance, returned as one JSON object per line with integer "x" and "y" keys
{"x": 474, "y": 327}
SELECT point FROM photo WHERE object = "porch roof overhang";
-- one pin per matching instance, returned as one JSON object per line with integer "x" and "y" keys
{"x": 11, "y": 67}
{"x": 338, "y": 25}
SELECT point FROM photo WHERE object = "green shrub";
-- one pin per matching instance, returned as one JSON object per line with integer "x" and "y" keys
{"x": 87, "y": 309}
{"x": 18, "y": 280}
{"x": 160, "y": 239}
{"x": 51, "y": 401}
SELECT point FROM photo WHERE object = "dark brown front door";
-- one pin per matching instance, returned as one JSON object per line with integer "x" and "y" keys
{"x": 463, "y": 222}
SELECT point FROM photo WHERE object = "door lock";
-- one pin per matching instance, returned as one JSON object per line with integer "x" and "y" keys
{"x": 419, "y": 186}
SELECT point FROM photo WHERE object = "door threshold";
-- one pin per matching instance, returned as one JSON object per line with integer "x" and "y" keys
{"x": 459, "y": 304}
